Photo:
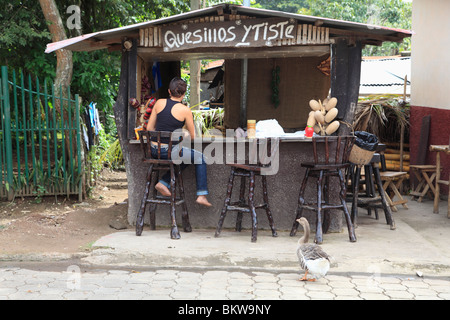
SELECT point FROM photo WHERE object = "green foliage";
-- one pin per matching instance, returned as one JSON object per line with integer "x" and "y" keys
{"x": 106, "y": 152}
{"x": 23, "y": 37}
{"x": 292, "y": 6}
{"x": 97, "y": 82}
{"x": 96, "y": 74}
{"x": 207, "y": 120}
{"x": 186, "y": 77}
{"x": 387, "y": 13}
{"x": 99, "y": 15}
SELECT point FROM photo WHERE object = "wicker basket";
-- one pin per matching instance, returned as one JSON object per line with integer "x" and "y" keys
{"x": 360, "y": 156}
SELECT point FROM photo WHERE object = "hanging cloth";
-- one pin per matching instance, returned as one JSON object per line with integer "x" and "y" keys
{"x": 94, "y": 118}
{"x": 156, "y": 72}
{"x": 90, "y": 134}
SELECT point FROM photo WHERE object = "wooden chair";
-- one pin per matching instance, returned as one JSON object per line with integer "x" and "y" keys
{"x": 392, "y": 181}
{"x": 176, "y": 182}
{"x": 330, "y": 160}
{"x": 254, "y": 167}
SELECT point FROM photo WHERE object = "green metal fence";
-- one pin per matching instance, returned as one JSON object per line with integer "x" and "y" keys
{"x": 40, "y": 152}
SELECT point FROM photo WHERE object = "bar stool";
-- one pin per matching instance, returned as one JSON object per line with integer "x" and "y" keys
{"x": 370, "y": 200}
{"x": 176, "y": 182}
{"x": 392, "y": 180}
{"x": 425, "y": 174}
{"x": 446, "y": 150}
{"x": 250, "y": 171}
{"x": 330, "y": 161}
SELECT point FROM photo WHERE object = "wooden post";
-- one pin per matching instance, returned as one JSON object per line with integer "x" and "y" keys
{"x": 195, "y": 76}
{"x": 244, "y": 79}
{"x": 121, "y": 108}
{"x": 132, "y": 87}
{"x": 195, "y": 70}
{"x": 402, "y": 128}
{"x": 345, "y": 79}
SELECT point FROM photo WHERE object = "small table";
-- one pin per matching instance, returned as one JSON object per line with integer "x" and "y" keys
{"x": 438, "y": 149}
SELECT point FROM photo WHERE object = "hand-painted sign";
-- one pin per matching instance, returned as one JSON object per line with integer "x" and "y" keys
{"x": 237, "y": 33}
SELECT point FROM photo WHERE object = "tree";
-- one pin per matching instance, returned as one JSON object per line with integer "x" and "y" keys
{"x": 23, "y": 37}
{"x": 64, "y": 64}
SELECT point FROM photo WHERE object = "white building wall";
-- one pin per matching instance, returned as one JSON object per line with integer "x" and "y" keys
{"x": 430, "y": 54}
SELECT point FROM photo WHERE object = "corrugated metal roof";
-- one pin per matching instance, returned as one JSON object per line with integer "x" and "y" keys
{"x": 385, "y": 75}
{"x": 106, "y": 38}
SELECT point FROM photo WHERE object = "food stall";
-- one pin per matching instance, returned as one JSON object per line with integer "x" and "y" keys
{"x": 275, "y": 63}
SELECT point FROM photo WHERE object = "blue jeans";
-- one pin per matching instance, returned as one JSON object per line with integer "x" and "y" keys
{"x": 188, "y": 156}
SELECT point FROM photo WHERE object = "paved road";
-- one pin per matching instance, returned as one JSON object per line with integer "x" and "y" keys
{"x": 75, "y": 283}
{"x": 411, "y": 262}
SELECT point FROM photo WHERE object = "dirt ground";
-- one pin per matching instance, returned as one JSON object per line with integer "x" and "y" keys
{"x": 64, "y": 226}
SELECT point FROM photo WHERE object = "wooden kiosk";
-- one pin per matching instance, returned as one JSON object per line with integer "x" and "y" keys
{"x": 314, "y": 57}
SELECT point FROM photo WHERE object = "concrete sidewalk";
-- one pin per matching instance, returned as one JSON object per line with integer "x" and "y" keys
{"x": 419, "y": 245}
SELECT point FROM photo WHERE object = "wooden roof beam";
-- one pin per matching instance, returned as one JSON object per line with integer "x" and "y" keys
{"x": 96, "y": 43}
{"x": 231, "y": 53}
{"x": 364, "y": 35}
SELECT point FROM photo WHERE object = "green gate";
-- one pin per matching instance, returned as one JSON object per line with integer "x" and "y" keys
{"x": 40, "y": 140}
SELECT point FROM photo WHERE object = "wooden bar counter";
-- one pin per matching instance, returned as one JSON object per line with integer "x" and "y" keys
{"x": 283, "y": 189}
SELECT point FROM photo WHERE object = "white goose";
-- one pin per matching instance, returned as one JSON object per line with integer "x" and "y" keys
{"x": 311, "y": 257}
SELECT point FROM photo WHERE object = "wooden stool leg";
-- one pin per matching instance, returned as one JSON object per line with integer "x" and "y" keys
{"x": 141, "y": 212}
{"x": 384, "y": 201}
{"x": 301, "y": 202}
{"x": 153, "y": 206}
{"x": 402, "y": 201}
{"x": 429, "y": 187}
{"x": 448, "y": 204}
{"x": 241, "y": 203}
{"x": 437, "y": 187}
{"x": 370, "y": 188}
{"x": 266, "y": 203}
{"x": 185, "y": 215}
{"x": 318, "y": 239}
{"x": 376, "y": 213}
{"x": 388, "y": 198}
{"x": 416, "y": 194}
{"x": 326, "y": 213}
{"x": 355, "y": 189}
{"x": 351, "y": 230}
{"x": 370, "y": 185}
{"x": 251, "y": 204}
{"x": 227, "y": 202}
{"x": 174, "y": 233}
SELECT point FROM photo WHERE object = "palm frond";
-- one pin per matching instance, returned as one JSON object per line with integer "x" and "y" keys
{"x": 383, "y": 116}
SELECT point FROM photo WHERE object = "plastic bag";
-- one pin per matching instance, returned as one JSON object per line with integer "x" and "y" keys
{"x": 268, "y": 128}
{"x": 366, "y": 140}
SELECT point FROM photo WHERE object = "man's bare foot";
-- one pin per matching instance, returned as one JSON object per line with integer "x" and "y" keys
{"x": 203, "y": 201}
{"x": 163, "y": 189}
